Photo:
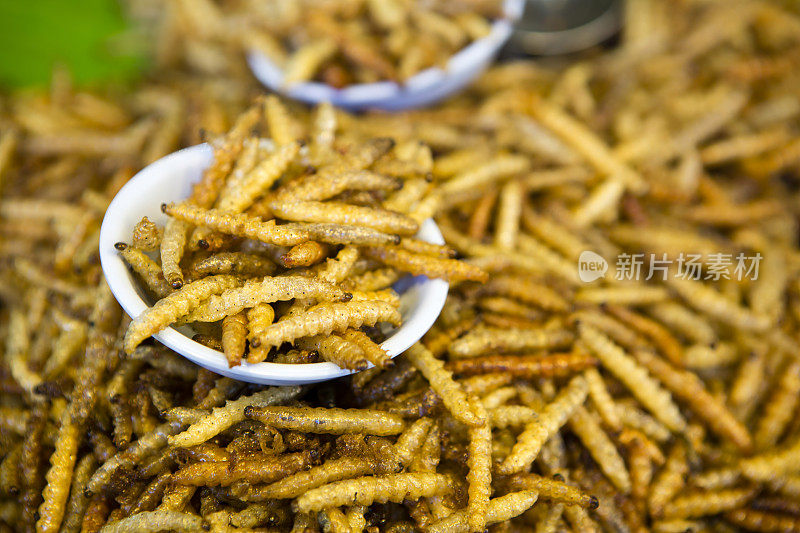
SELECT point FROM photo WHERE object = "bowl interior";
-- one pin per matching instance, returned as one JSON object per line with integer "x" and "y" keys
{"x": 170, "y": 179}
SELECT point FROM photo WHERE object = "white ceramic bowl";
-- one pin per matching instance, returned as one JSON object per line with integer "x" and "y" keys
{"x": 170, "y": 179}
{"x": 426, "y": 87}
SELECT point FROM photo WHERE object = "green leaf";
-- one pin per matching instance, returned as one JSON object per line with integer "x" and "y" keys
{"x": 36, "y": 35}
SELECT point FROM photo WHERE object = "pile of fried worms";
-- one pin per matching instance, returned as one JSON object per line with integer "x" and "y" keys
{"x": 642, "y": 399}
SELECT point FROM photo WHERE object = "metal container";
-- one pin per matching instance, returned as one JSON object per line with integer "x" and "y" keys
{"x": 550, "y": 27}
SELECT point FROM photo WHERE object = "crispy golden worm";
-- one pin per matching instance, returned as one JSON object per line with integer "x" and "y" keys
{"x": 539, "y": 430}
{"x": 453, "y": 395}
{"x": 326, "y": 318}
{"x": 636, "y": 378}
{"x": 260, "y": 291}
{"x": 448, "y": 269}
{"x": 485, "y": 340}
{"x": 335, "y": 421}
{"x": 232, "y": 412}
{"x": 239, "y": 225}
{"x": 479, "y": 462}
{"x": 369, "y": 489}
{"x": 172, "y": 307}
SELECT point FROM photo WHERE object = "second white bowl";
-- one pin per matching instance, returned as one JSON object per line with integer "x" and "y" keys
{"x": 426, "y": 87}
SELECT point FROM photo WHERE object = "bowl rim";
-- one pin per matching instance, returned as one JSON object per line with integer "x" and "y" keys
{"x": 124, "y": 287}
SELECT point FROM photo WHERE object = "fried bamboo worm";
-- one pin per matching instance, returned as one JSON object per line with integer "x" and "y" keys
{"x": 146, "y": 268}
{"x": 661, "y": 337}
{"x": 528, "y": 292}
{"x": 337, "y": 350}
{"x": 304, "y": 254}
{"x": 17, "y": 349}
{"x": 491, "y": 340}
{"x": 30, "y": 463}
{"x": 369, "y": 489}
{"x": 779, "y": 408}
{"x": 497, "y": 168}
{"x": 221, "y": 418}
{"x": 78, "y": 502}
{"x": 409, "y": 442}
{"x": 252, "y": 469}
{"x": 547, "y": 366}
{"x": 340, "y": 213}
{"x": 586, "y": 143}
{"x": 372, "y": 351}
{"x": 261, "y": 291}
{"x": 500, "y": 509}
{"x": 301, "y": 482}
{"x": 555, "y": 490}
{"x": 238, "y": 224}
{"x": 177, "y": 304}
{"x": 479, "y": 477}
{"x": 585, "y": 425}
{"x": 709, "y": 301}
{"x": 348, "y": 234}
{"x": 553, "y": 416}
{"x": 688, "y": 387}
{"x": 755, "y": 520}
{"x": 441, "y": 380}
{"x": 235, "y": 263}
{"x": 304, "y": 63}
{"x": 239, "y": 194}
{"x": 327, "y": 184}
{"x": 423, "y": 265}
{"x": 644, "y": 387}
{"x": 326, "y": 318}
{"x": 696, "y": 504}
{"x": 147, "y": 235}
{"x": 234, "y": 337}
{"x": 172, "y": 248}
{"x": 333, "y": 421}
{"x": 670, "y": 480}
{"x": 153, "y": 521}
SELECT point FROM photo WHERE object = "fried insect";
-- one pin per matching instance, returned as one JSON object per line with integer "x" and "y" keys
{"x": 236, "y": 263}
{"x": 305, "y": 254}
{"x": 486, "y": 340}
{"x": 369, "y": 489}
{"x": 479, "y": 477}
{"x": 553, "y": 416}
{"x": 234, "y": 337}
{"x": 441, "y": 380}
{"x": 657, "y": 400}
{"x": 525, "y": 366}
{"x": 326, "y": 318}
{"x": 239, "y": 225}
{"x": 417, "y": 264}
{"x": 146, "y": 268}
{"x": 585, "y": 425}
{"x": 333, "y": 421}
{"x": 221, "y": 418}
{"x": 234, "y": 298}
{"x": 252, "y": 469}
{"x": 172, "y": 307}
{"x": 553, "y": 489}
{"x": 688, "y": 387}
{"x": 341, "y": 213}
{"x": 500, "y": 510}
{"x": 372, "y": 351}
{"x": 172, "y": 247}
{"x": 152, "y": 521}
{"x": 147, "y": 235}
